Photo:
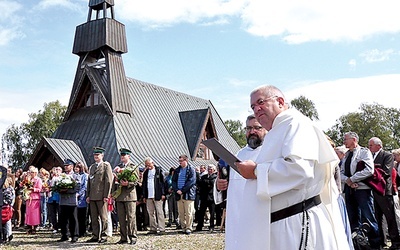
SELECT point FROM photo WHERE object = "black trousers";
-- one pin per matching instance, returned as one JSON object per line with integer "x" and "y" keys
{"x": 384, "y": 205}
{"x": 53, "y": 209}
{"x": 204, "y": 204}
{"x": 172, "y": 209}
{"x": 142, "y": 217}
{"x": 82, "y": 221}
{"x": 68, "y": 219}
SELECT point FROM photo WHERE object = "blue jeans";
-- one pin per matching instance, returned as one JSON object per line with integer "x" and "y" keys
{"x": 43, "y": 206}
{"x": 360, "y": 208}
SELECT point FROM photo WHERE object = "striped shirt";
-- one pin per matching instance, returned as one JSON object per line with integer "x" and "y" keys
{"x": 182, "y": 178}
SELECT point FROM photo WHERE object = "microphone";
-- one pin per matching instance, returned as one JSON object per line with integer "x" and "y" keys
{"x": 223, "y": 174}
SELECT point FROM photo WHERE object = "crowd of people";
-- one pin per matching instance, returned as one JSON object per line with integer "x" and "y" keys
{"x": 76, "y": 201}
{"x": 291, "y": 182}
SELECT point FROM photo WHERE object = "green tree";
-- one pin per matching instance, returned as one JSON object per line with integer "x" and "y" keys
{"x": 14, "y": 150}
{"x": 371, "y": 120}
{"x": 19, "y": 142}
{"x": 236, "y": 130}
{"x": 44, "y": 123}
{"x": 306, "y": 107}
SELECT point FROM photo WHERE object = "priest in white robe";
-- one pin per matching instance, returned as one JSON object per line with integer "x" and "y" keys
{"x": 242, "y": 205}
{"x": 294, "y": 169}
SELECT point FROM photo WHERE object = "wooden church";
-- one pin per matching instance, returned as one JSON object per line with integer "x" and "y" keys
{"x": 108, "y": 109}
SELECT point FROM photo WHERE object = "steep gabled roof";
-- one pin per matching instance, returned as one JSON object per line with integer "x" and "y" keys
{"x": 52, "y": 152}
{"x": 155, "y": 128}
{"x": 194, "y": 123}
{"x": 164, "y": 124}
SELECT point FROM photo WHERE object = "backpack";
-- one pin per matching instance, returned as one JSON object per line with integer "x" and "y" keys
{"x": 360, "y": 238}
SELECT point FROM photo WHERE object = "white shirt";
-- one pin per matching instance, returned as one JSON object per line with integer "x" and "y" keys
{"x": 150, "y": 182}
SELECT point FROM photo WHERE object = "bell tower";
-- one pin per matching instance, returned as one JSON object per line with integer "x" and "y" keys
{"x": 100, "y": 76}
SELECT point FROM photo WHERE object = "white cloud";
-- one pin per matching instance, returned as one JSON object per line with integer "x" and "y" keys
{"x": 315, "y": 20}
{"x": 15, "y": 105}
{"x": 10, "y": 22}
{"x": 375, "y": 55}
{"x": 7, "y": 35}
{"x": 69, "y": 4}
{"x": 240, "y": 83}
{"x": 331, "y": 98}
{"x": 8, "y": 9}
{"x": 339, "y": 97}
{"x": 295, "y": 21}
{"x": 353, "y": 64}
{"x": 158, "y": 13}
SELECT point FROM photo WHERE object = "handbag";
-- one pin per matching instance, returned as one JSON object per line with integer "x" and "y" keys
{"x": 376, "y": 181}
{"x": 6, "y": 213}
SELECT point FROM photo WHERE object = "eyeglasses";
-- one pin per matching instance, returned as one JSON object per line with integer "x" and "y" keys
{"x": 261, "y": 102}
{"x": 256, "y": 128}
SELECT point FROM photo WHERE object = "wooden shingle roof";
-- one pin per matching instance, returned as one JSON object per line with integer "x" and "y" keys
{"x": 156, "y": 127}
{"x": 166, "y": 123}
{"x": 52, "y": 152}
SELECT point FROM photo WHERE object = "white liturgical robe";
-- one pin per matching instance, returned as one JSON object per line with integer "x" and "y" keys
{"x": 243, "y": 226}
{"x": 296, "y": 162}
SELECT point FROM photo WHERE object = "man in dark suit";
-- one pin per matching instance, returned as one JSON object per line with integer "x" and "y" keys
{"x": 98, "y": 193}
{"x": 126, "y": 200}
{"x": 3, "y": 177}
{"x": 384, "y": 204}
{"x": 206, "y": 185}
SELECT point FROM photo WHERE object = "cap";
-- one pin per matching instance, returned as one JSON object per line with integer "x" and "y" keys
{"x": 124, "y": 151}
{"x": 68, "y": 162}
{"x": 98, "y": 150}
{"x": 141, "y": 169}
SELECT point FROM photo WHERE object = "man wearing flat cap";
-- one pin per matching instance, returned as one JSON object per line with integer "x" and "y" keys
{"x": 68, "y": 204}
{"x": 98, "y": 193}
{"x": 126, "y": 199}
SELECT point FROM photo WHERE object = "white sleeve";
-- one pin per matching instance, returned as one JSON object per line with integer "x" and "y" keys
{"x": 217, "y": 194}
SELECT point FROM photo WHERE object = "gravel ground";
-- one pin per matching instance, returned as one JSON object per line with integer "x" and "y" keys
{"x": 173, "y": 239}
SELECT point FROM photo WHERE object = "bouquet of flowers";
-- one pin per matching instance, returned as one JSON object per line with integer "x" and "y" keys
{"x": 126, "y": 174}
{"x": 26, "y": 185}
{"x": 64, "y": 183}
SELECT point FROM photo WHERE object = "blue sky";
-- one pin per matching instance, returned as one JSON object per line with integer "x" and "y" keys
{"x": 338, "y": 54}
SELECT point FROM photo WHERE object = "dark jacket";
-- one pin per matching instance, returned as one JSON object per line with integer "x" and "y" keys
{"x": 206, "y": 186}
{"x": 159, "y": 186}
{"x": 384, "y": 160}
{"x": 3, "y": 177}
{"x": 189, "y": 189}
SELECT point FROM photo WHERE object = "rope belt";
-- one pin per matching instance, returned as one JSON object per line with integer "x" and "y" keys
{"x": 295, "y": 209}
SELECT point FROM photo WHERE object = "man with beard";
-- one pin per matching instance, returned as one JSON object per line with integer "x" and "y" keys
{"x": 241, "y": 203}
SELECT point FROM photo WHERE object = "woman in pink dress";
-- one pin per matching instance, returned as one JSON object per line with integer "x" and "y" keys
{"x": 32, "y": 218}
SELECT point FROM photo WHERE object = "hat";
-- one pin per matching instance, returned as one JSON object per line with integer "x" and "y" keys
{"x": 124, "y": 151}
{"x": 98, "y": 150}
{"x": 141, "y": 169}
{"x": 68, "y": 162}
